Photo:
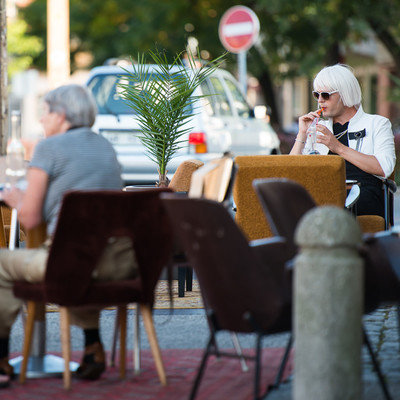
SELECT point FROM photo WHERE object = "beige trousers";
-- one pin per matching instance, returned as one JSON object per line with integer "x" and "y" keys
{"x": 117, "y": 262}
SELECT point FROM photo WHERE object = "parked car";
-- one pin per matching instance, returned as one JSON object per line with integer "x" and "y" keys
{"x": 223, "y": 122}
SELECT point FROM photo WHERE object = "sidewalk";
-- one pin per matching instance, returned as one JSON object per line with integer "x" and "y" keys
{"x": 186, "y": 328}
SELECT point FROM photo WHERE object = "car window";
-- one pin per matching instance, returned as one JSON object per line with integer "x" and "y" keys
{"x": 105, "y": 92}
{"x": 221, "y": 99}
{"x": 209, "y": 100}
{"x": 240, "y": 104}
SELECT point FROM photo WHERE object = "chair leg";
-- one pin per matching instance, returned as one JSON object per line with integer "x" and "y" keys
{"x": 155, "y": 349}
{"x": 114, "y": 341}
{"x": 239, "y": 352}
{"x": 181, "y": 281}
{"x": 65, "y": 345}
{"x": 122, "y": 341}
{"x": 189, "y": 279}
{"x": 136, "y": 341}
{"x": 257, "y": 369}
{"x": 203, "y": 363}
{"x": 30, "y": 320}
{"x": 282, "y": 366}
{"x": 377, "y": 367}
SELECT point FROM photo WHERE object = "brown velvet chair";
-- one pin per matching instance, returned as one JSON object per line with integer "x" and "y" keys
{"x": 180, "y": 181}
{"x": 323, "y": 177}
{"x": 285, "y": 202}
{"x": 88, "y": 221}
{"x": 245, "y": 288}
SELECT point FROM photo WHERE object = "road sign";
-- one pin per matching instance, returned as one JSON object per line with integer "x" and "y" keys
{"x": 238, "y": 29}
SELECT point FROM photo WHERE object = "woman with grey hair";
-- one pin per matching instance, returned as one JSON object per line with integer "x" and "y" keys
{"x": 365, "y": 141}
{"x": 70, "y": 157}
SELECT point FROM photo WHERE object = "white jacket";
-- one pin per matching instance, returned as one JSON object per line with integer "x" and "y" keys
{"x": 378, "y": 140}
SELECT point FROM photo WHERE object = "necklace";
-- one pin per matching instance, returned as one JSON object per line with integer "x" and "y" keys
{"x": 340, "y": 134}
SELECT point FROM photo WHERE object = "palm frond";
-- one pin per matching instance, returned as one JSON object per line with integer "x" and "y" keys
{"x": 161, "y": 98}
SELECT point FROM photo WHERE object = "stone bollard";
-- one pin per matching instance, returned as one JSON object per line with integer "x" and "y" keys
{"x": 328, "y": 309}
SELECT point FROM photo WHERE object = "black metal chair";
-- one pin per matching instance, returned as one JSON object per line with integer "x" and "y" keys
{"x": 245, "y": 287}
{"x": 284, "y": 203}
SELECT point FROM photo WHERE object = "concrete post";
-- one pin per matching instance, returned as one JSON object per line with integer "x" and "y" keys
{"x": 328, "y": 287}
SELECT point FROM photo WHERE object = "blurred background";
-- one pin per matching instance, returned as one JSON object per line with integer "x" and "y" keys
{"x": 297, "y": 38}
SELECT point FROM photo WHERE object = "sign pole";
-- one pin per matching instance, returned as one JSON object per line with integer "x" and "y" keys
{"x": 242, "y": 67}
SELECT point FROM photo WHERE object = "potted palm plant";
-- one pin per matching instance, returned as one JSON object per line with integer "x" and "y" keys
{"x": 162, "y": 97}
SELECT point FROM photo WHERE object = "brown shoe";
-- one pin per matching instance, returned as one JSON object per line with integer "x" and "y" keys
{"x": 93, "y": 362}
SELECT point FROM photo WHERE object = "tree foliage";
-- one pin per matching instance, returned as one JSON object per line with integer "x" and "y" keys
{"x": 297, "y": 36}
{"x": 21, "y": 48}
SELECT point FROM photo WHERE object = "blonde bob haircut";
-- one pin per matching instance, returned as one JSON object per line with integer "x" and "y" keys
{"x": 339, "y": 77}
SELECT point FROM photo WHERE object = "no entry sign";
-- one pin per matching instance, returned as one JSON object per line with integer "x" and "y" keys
{"x": 238, "y": 29}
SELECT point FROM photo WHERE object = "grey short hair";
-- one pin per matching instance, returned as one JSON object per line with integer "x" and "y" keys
{"x": 339, "y": 77}
{"x": 75, "y": 102}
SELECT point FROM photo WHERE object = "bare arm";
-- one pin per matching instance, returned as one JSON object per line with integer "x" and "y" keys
{"x": 300, "y": 141}
{"x": 29, "y": 203}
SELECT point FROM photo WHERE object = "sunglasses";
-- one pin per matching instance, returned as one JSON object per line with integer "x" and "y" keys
{"x": 324, "y": 95}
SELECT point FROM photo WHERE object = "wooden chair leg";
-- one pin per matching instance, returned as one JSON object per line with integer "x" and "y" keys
{"x": 65, "y": 345}
{"x": 30, "y": 320}
{"x": 152, "y": 337}
{"x": 122, "y": 341}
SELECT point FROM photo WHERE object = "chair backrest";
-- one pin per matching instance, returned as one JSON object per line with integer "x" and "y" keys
{"x": 322, "y": 176}
{"x": 389, "y": 189}
{"x": 214, "y": 180}
{"x": 381, "y": 254}
{"x": 233, "y": 280}
{"x": 88, "y": 220}
{"x": 284, "y": 203}
{"x": 182, "y": 177}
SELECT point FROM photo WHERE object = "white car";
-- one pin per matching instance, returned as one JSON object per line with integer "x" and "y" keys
{"x": 223, "y": 122}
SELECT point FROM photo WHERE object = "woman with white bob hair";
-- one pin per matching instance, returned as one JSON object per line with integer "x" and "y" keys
{"x": 365, "y": 141}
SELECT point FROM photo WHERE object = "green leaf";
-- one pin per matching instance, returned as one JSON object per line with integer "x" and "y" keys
{"x": 161, "y": 98}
